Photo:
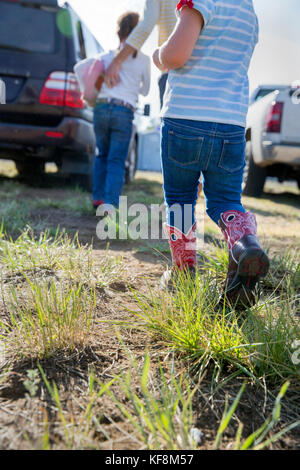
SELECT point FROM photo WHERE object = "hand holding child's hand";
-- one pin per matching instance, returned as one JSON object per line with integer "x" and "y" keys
{"x": 157, "y": 62}
{"x": 111, "y": 77}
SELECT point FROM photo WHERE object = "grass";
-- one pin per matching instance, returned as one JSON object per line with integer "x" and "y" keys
{"x": 285, "y": 273}
{"x": 159, "y": 405}
{"x": 192, "y": 323}
{"x": 56, "y": 317}
{"x": 48, "y": 291}
{"x": 75, "y": 435}
{"x": 161, "y": 412}
{"x": 17, "y": 212}
{"x": 78, "y": 201}
{"x": 141, "y": 194}
{"x": 45, "y": 319}
{"x": 14, "y": 214}
{"x": 158, "y": 249}
{"x": 112, "y": 228}
{"x": 56, "y": 255}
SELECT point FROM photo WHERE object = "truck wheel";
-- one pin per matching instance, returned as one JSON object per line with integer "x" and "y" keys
{"x": 31, "y": 169}
{"x": 254, "y": 176}
{"x": 131, "y": 162}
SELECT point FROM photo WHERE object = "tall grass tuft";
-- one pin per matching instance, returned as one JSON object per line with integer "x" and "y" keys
{"x": 46, "y": 318}
{"x": 64, "y": 257}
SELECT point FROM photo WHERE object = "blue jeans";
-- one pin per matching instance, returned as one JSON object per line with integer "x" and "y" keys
{"x": 113, "y": 130}
{"x": 191, "y": 148}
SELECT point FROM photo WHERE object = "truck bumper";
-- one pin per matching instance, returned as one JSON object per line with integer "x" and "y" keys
{"x": 71, "y": 134}
{"x": 288, "y": 154}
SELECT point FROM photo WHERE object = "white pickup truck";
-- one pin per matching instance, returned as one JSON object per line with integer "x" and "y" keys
{"x": 273, "y": 137}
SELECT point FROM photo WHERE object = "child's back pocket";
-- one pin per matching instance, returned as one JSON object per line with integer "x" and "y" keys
{"x": 232, "y": 156}
{"x": 184, "y": 150}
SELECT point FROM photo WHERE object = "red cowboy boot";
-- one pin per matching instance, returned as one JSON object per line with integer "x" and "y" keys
{"x": 183, "y": 250}
{"x": 97, "y": 203}
{"x": 247, "y": 260}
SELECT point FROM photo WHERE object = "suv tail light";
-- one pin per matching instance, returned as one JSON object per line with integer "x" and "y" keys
{"x": 274, "y": 117}
{"x": 62, "y": 89}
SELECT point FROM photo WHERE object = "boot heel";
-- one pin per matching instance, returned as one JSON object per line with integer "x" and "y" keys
{"x": 253, "y": 264}
{"x": 247, "y": 260}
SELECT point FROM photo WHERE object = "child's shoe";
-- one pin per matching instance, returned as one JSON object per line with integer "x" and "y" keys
{"x": 97, "y": 203}
{"x": 247, "y": 260}
{"x": 183, "y": 251}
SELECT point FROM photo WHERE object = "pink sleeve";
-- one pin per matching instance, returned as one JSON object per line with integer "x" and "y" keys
{"x": 91, "y": 74}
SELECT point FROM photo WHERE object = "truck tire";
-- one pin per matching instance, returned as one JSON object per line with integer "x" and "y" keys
{"x": 131, "y": 162}
{"x": 254, "y": 176}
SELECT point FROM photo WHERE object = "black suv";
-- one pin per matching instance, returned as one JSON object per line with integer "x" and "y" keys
{"x": 44, "y": 118}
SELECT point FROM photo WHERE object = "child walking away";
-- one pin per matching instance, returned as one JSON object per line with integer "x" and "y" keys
{"x": 203, "y": 132}
{"x": 113, "y": 117}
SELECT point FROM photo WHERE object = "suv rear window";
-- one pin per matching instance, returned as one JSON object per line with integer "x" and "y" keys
{"x": 27, "y": 29}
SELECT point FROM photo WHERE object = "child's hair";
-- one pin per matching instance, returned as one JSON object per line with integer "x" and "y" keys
{"x": 126, "y": 23}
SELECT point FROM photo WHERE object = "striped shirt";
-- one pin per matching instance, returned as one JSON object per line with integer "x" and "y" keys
{"x": 213, "y": 85}
{"x": 156, "y": 12}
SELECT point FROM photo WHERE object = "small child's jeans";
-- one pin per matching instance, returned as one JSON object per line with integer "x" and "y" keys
{"x": 191, "y": 148}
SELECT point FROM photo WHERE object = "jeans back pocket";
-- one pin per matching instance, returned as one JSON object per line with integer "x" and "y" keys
{"x": 232, "y": 156}
{"x": 184, "y": 150}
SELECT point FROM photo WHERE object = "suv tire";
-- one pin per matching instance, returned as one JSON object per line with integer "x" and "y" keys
{"x": 254, "y": 175}
{"x": 78, "y": 168}
{"x": 31, "y": 170}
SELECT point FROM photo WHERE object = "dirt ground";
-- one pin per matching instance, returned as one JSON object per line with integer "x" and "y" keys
{"x": 21, "y": 418}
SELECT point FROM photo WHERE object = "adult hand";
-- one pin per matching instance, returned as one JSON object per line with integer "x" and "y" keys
{"x": 111, "y": 76}
{"x": 157, "y": 62}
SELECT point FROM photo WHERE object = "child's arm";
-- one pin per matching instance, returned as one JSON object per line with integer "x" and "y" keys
{"x": 134, "y": 42}
{"x": 176, "y": 51}
{"x": 146, "y": 78}
{"x": 112, "y": 74}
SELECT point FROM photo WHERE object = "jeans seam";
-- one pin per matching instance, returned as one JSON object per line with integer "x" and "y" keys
{"x": 209, "y": 156}
{"x": 211, "y": 133}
